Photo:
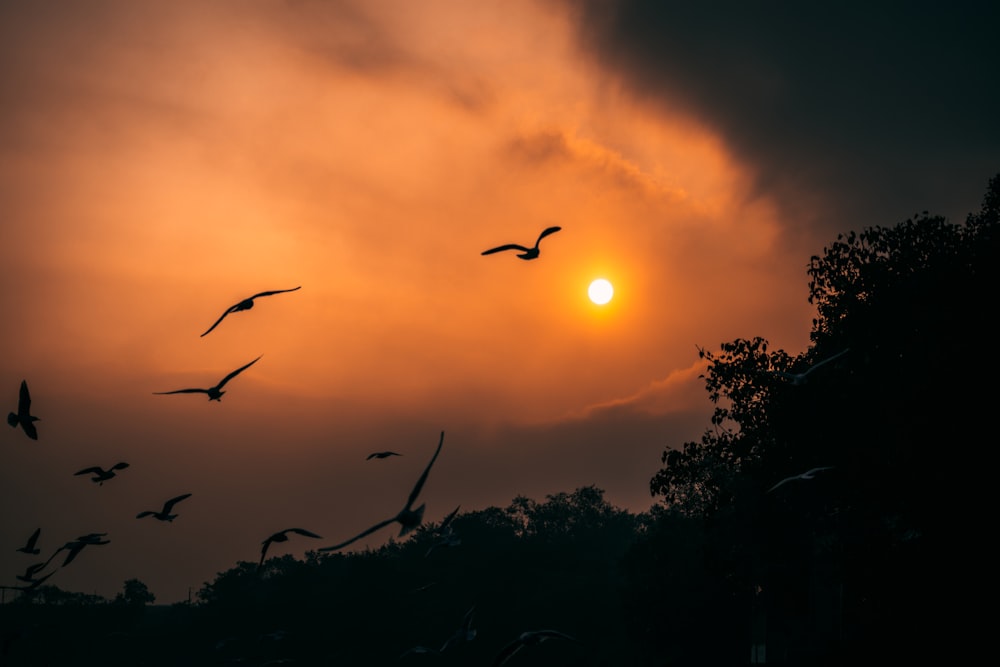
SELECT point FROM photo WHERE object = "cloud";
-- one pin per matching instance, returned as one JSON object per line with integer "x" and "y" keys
{"x": 850, "y": 115}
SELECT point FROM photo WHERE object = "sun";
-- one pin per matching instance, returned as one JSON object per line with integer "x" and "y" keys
{"x": 600, "y": 291}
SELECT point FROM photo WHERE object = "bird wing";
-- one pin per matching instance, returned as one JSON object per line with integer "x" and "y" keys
{"x": 222, "y": 317}
{"x": 507, "y": 651}
{"x": 827, "y": 360}
{"x": 93, "y": 469}
{"x": 377, "y": 526}
{"x": 787, "y": 479}
{"x": 24, "y": 401}
{"x": 423, "y": 478}
{"x": 144, "y": 514}
{"x": 303, "y": 531}
{"x": 33, "y": 539}
{"x": 73, "y": 551}
{"x": 183, "y": 391}
{"x": 263, "y": 550}
{"x": 546, "y": 232}
{"x": 236, "y": 372}
{"x": 509, "y": 246}
{"x": 447, "y": 520}
{"x": 30, "y": 429}
{"x": 167, "y": 506}
{"x": 121, "y": 465}
{"x": 277, "y": 291}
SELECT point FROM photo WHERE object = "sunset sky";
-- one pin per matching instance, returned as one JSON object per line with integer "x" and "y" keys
{"x": 160, "y": 162}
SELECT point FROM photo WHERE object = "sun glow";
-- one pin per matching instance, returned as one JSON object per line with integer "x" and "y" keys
{"x": 600, "y": 291}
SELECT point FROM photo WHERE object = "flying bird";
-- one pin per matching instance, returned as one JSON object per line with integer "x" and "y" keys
{"x": 282, "y": 536}
{"x": 30, "y": 572}
{"x": 164, "y": 514}
{"x": 465, "y": 633}
{"x": 531, "y": 638}
{"x": 74, "y": 547}
{"x": 809, "y": 474}
{"x": 408, "y": 518}
{"x": 34, "y": 583}
{"x": 100, "y": 475}
{"x": 214, "y": 393}
{"x": 526, "y": 253}
{"x": 801, "y": 378}
{"x": 381, "y": 455}
{"x": 23, "y": 416}
{"x": 247, "y": 304}
{"x": 29, "y": 547}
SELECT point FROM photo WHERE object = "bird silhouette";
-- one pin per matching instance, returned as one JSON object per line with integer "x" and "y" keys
{"x": 30, "y": 572}
{"x": 164, "y": 514}
{"x": 526, "y": 253}
{"x": 809, "y": 474}
{"x": 100, "y": 475}
{"x": 23, "y": 416}
{"x": 282, "y": 536}
{"x": 247, "y": 304}
{"x": 799, "y": 379}
{"x": 74, "y": 547}
{"x": 214, "y": 393}
{"x": 465, "y": 632}
{"x": 29, "y": 547}
{"x": 381, "y": 455}
{"x": 35, "y": 583}
{"x": 530, "y": 638}
{"x": 408, "y": 518}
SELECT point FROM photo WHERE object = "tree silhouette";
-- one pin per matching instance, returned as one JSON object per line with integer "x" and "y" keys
{"x": 855, "y": 560}
{"x": 135, "y": 594}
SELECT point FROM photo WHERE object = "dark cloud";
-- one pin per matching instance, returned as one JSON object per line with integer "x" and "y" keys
{"x": 852, "y": 115}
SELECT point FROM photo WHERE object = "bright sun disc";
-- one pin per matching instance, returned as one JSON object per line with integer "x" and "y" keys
{"x": 600, "y": 291}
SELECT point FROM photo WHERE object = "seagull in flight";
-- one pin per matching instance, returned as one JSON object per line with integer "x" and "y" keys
{"x": 247, "y": 304}
{"x": 76, "y": 546}
{"x": 29, "y": 547}
{"x": 164, "y": 514}
{"x": 100, "y": 475}
{"x": 381, "y": 455}
{"x": 282, "y": 536}
{"x": 31, "y": 571}
{"x": 531, "y": 638}
{"x": 809, "y": 474}
{"x": 214, "y": 393}
{"x": 408, "y": 518}
{"x": 23, "y": 416}
{"x": 799, "y": 379}
{"x": 526, "y": 253}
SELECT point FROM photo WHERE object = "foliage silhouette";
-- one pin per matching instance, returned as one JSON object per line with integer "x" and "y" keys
{"x": 837, "y": 565}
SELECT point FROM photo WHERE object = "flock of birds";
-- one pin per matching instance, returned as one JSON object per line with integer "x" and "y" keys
{"x": 409, "y": 518}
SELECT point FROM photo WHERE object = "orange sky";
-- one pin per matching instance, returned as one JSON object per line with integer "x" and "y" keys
{"x": 162, "y": 162}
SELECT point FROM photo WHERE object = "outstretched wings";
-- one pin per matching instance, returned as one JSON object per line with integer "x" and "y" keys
{"x": 245, "y": 304}
{"x": 236, "y": 372}
{"x": 423, "y": 478}
{"x": 377, "y": 526}
{"x": 509, "y": 246}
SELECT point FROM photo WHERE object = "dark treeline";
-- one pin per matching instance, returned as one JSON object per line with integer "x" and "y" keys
{"x": 879, "y": 557}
